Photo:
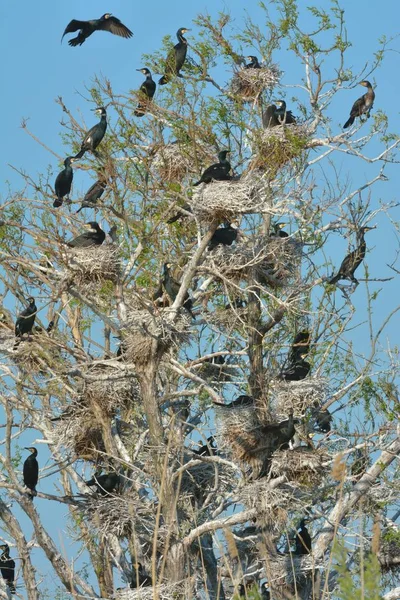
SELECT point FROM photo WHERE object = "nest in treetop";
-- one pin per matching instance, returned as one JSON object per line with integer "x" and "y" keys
{"x": 168, "y": 591}
{"x": 224, "y": 200}
{"x": 94, "y": 264}
{"x": 248, "y": 84}
{"x": 274, "y": 147}
{"x": 148, "y": 332}
{"x": 302, "y": 465}
{"x": 112, "y": 388}
{"x": 296, "y": 395}
{"x": 389, "y": 550}
{"x": 270, "y": 260}
{"x": 111, "y": 514}
{"x": 175, "y": 161}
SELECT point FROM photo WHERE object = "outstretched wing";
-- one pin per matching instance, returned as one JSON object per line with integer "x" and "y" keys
{"x": 114, "y": 25}
{"x": 74, "y": 25}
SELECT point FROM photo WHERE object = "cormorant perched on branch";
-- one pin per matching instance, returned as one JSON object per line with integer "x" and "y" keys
{"x": 94, "y": 136}
{"x": 175, "y": 58}
{"x": 106, "y": 23}
{"x": 297, "y": 370}
{"x": 275, "y": 435}
{"x": 105, "y": 484}
{"x": 322, "y": 419}
{"x": 362, "y": 106}
{"x": 224, "y": 235}
{"x": 172, "y": 287}
{"x": 7, "y": 567}
{"x": 278, "y": 230}
{"x": 303, "y": 540}
{"x": 208, "y": 449}
{"x": 300, "y": 346}
{"x": 94, "y": 193}
{"x": 95, "y": 236}
{"x": 353, "y": 260}
{"x": 63, "y": 183}
{"x": 219, "y": 171}
{"x": 25, "y": 320}
{"x": 139, "y": 578}
{"x": 31, "y": 472}
{"x": 146, "y": 91}
{"x": 253, "y": 64}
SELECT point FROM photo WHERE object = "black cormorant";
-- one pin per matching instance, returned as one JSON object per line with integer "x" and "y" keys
{"x": 270, "y": 117}
{"x": 300, "y": 345}
{"x": 31, "y": 472}
{"x": 139, "y": 578}
{"x": 225, "y": 235}
{"x": 297, "y": 370}
{"x": 353, "y": 260}
{"x": 322, "y": 419}
{"x": 146, "y": 93}
{"x": 63, "y": 183}
{"x": 284, "y": 116}
{"x": 172, "y": 287}
{"x": 94, "y": 136}
{"x": 94, "y": 193}
{"x": 26, "y": 319}
{"x": 106, "y": 23}
{"x": 105, "y": 484}
{"x": 95, "y": 236}
{"x": 175, "y": 58}
{"x": 240, "y": 401}
{"x": 278, "y": 230}
{"x": 362, "y": 106}
{"x": 253, "y": 64}
{"x": 180, "y": 215}
{"x": 208, "y": 449}
{"x": 265, "y": 593}
{"x": 7, "y": 567}
{"x": 219, "y": 171}
{"x": 303, "y": 540}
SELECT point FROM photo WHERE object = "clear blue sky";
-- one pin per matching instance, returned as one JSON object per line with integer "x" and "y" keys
{"x": 36, "y": 69}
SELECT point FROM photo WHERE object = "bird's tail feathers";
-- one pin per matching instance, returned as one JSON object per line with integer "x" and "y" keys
{"x": 57, "y": 203}
{"x": 163, "y": 80}
{"x": 349, "y": 122}
{"x": 334, "y": 279}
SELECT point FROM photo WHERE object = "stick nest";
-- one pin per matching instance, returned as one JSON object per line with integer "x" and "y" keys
{"x": 304, "y": 466}
{"x": 168, "y": 591}
{"x": 174, "y": 161}
{"x": 389, "y": 551}
{"x": 94, "y": 264}
{"x": 248, "y": 84}
{"x": 36, "y": 355}
{"x": 111, "y": 388}
{"x": 148, "y": 332}
{"x": 111, "y": 514}
{"x": 284, "y": 571}
{"x": 276, "y": 146}
{"x": 297, "y": 396}
{"x": 271, "y": 260}
{"x": 272, "y": 505}
{"x": 78, "y": 433}
{"x": 224, "y": 200}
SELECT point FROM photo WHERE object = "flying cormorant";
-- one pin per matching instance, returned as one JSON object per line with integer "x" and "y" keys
{"x": 297, "y": 370}
{"x": 94, "y": 136}
{"x": 362, "y": 106}
{"x": 105, "y": 484}
{"x": 253, "y": 64}
{"x": 62, "y": 185}
{"x": 225, "y": 235}
{"x": 175, "y": 58}
{"x": 31, "y": 472}
{"x": 353, "y": 260}
{"x": 94, "y": 193}
{"x": 7, "y": 567}
{"x": 26, "y": 319}
{"x": 146, "y": 92}
{"x": 106, "y": 23}
{"x": 219, "y": 171}
{"x": 95, "y": 236}
{"x": 303, "y": 540}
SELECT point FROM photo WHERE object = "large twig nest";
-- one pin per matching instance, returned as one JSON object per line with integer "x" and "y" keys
{"x": 248, "y": 84}
{"x": 169, "y": 591}
{"x": 148, "y": 332}
{"x": 272, "y": 505}
{"x": 174, "y": 161}
{"x": 111, "y": 514}
{"x": 305, "y": 466}
{"x": 94, "y": 264}
{"x": 36, "y": 355}
{"x": 111, "y": 387}
{"x": 271, "y": 260}
{"x": 297, "y": 395}
{"x": 78, "y": 433}
{"x": 389, "y": 551}
{"x": 286, "y": 570}
{"x": 276, "y": 146}
{"x": 224, "y": 200}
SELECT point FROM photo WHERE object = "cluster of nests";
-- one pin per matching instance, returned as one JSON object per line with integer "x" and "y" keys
{"x": 267, "y": 260}
{"x": 256, "y": 436}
